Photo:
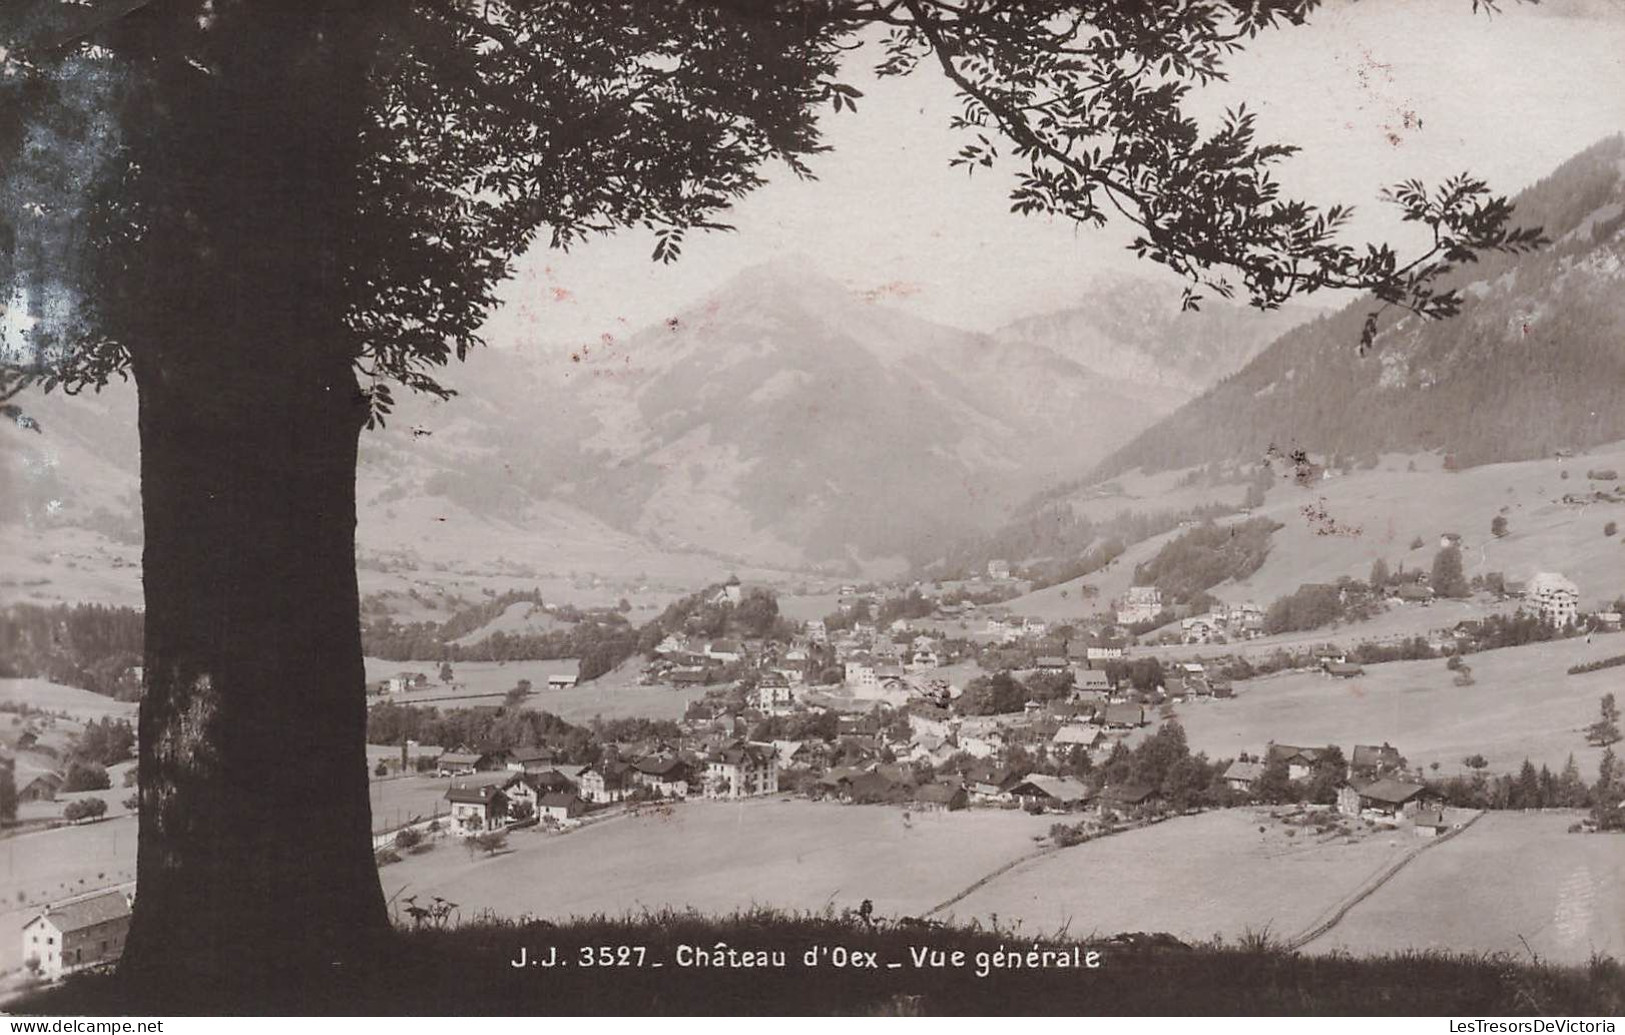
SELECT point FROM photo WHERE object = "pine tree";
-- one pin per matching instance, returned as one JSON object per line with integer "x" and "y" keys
{"x": 1605, "y": 730}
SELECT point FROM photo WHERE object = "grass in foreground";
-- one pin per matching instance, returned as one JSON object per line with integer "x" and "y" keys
{"x": 469, "y": 970}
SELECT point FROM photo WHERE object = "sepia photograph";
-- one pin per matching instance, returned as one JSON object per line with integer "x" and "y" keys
{"x": 801, "y": 508}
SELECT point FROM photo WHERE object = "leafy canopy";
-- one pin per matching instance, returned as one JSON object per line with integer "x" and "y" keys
{"x": 493, "y": 125}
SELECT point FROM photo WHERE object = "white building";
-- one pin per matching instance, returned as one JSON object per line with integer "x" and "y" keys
{"x": 1557, "y": 599}
{"x": 70, "y": 936}
{"x": 1139, "y": 604}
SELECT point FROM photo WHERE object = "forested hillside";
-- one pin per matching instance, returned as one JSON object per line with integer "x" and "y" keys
{"x": 1532, "y": 365}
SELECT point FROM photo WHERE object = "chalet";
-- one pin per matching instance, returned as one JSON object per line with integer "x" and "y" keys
{"x": 725, "y": 651}
{"x": 41, "y": 788}
{"x": 794, "y": 754}
{"x": 1050, "y": 663}
{"x": 1075, "y": 735}
{"x": 998, "y": 569}
{"x": 1387, "y": 797}
{"x": 1122, "y": 717}
{"x": 668, "y": 776}
{"x": 1341, "y": 669}
{"x": 1221, "y": 688}
{"x": 1300, "y": 761}
{"x": 940, "y": 797}
{"x": 531, "y": 760}
{"x": 607, "y": 781}
{"x": 1243, "y": 776}
{"x": 476, "y": 807}
{"x": 1371, "y": 762}
{"x": 1102, "y": 654}
{"x": 1130, "y": 796}
{"x": 1200, "y": 629}
{"x": 561, "y": 681}
{"x": 70, "y": 936}
{"x": 991, "y": 784}
{"x": 559, "y": 807}
{"x": 859, "y": 674}
{"x": 741, "y": 772}
{"x": 1052, "y": 792}
{"x": 463, "y": 762}
{"x": 689, "y": 677}
{"x": 729, "y": 592}
{"x": 923, "y": 659}
{"x": 1414, "y": 593}
{"x": 1091, "y": 680}
{"x": 551, "y": 780}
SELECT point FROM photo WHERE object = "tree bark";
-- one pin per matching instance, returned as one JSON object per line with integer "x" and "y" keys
{"x": 255, "y": 848}
{"x": 254, "y": 852}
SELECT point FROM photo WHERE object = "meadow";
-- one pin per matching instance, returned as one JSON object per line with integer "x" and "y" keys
{"x": 1513, "y": 883}
{"x": 616, "y": 694}
{"x": 721, "y": 856}
{"x": 1521, "y": 704}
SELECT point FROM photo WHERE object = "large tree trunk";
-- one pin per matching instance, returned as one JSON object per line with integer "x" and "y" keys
{"x": 254, "y": 845}
{"x": 254, "y": 850}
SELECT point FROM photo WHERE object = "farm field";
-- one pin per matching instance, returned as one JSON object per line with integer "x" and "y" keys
{"x": 81, "y": 704}
{"x": 613, "y": 695}
{"x": 57, "y": 864}
{"x": 717, "y": 856}
{"x": 1521, "y": 704}
{"x": 1214, "y": 874}
{"x": 1513, "y": 882}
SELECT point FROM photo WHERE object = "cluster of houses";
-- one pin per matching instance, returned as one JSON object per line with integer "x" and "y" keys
{"x": 1376, "y": 784}
{"x": 493, "y": 790}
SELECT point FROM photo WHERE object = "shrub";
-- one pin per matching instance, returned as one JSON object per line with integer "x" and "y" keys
{"x": 133, "y": 803}
{"x": 408, "y": 838}
{"x": 86, "y": 776}
{"x": 1606, "y": 474}
{"x": 1610, "y": 528}
{"x": 84, "y": 808}
{"x": 385, "y": 856}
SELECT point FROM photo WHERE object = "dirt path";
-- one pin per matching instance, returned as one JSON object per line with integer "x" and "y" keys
{"x": 1321, "y": 926}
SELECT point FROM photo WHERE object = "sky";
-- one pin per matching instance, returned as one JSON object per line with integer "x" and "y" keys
{"x": 1374, "y": 91}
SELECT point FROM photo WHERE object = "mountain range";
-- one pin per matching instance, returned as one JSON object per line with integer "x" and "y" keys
{"x": 782, "y": 420}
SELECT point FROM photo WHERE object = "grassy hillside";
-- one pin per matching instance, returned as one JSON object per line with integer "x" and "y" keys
{"x": 1521, "y": 704}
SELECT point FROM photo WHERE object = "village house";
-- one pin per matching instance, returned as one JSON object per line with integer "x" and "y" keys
{"x": 988, "y": 783}
{"x": 1050, "y": 663}
{"x": 998, "y": 569}
{"x": 1386, "y": 799}
{"x": 1430, "y": 823}
{"x": 1129, "y": 797}
{"x": 1091, "y": 681}
{"x": 725, "y": 651}
{"x": 729, "y": 593}
{"x": 1200, "y": 629}
{"x": 531, "y": 759}
{"x": 940, "y": 797}
{"x": 1052, "y": 792}
{"x": 70, "y": 936}
{"x": 463, "y": 762}
{"x": 860, "y": 675}
{"x": 1556, "y": 598}
{"x": 1371, "y": 762}
{"x": 1243, "y": 776}
{"x": 561, "y": 681}
{"x": 401, "y": 682}
{"x": 1074, "y": 735}
{"x": 1122, "y": 717}
{"x": 1341, "y": 669}
{"x": 1414, "y": 593}
{"x": 476, "y": 807}
{"x": 773, "y": 694}
{"x": 41, "y": 788}
{"x": 1139, "y": 604}
{"x": 920, "y": 660}
{"x": 1300, "y": 761}
{"x": 743, "y": 771}
{"x": 559, "y": 807}
{"x": 669, "y": 777}
{"x": 1094, "y": 655}
{"x": 607, "y": 781}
